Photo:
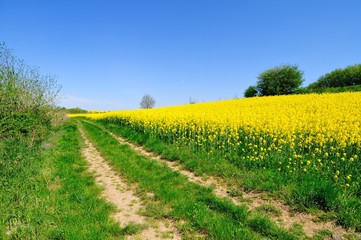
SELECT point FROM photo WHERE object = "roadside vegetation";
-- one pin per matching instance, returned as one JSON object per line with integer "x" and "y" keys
{"x": 303, "y": 149}
{"x": 196, "y": 210}
{"x": 45, "y": 191}
{"x": 308, "y": 194}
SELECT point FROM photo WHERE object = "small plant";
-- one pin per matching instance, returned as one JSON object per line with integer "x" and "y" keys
{"x": 323, "y": 233}
{"x": 132, "y": 229}
{"x": 268, "y": 208}
{"x": 234, "y": 192}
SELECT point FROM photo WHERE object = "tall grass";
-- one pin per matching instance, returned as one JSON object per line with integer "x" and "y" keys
{"x": 196, "y": 205}
{"x": 305, "y": 192}
{"x": 46, "y": 192}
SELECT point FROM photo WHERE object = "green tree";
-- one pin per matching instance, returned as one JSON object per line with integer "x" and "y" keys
{"x": 348, "y": 76}
{"x": 251, "y": 91}
{"x": 280, "y": 80}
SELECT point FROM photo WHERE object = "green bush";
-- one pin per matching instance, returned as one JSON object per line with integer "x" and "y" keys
{"x": 348, "y": 76}
{"x": 251, "y": 91}
{"x": 27, "y": 99}
{"x": 281, "y": 80}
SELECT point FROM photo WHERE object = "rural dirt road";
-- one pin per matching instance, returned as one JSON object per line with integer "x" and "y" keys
{"x": 287, "y": 217}
{"x": 122, "y": 195}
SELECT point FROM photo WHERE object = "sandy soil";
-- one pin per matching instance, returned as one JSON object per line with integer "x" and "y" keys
{"x": 287, "y": 217}
{"x": 122, "y": 196}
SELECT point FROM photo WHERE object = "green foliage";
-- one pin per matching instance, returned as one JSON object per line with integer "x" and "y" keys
{"x": 281, "y": 80}
{"x": 353, "y": 88}
{"x": 75, "y": 110}
{"x": 269, "y": 208}
{"x": 196, "y": 205}
{"x": 266, "y": 228}
{"x": 251, "y": 91}
{"x": 308, "y": 192}
{"x": 27, "y": 98}
{"x": 348, "y": 76}
{"x": 315, "y": 193}
{"x": 47, "y": 193}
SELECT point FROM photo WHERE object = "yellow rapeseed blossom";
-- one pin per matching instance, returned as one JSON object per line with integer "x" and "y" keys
{"x": 317, "y": 130}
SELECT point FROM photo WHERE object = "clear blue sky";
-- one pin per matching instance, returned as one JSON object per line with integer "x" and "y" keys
{"x": 108, "y": 54}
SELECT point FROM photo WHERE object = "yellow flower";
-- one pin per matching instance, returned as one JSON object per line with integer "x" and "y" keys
{"x": 295, "y": 127}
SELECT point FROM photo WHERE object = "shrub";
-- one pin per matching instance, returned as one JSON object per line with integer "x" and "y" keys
{"x": 27, "y": 98}
{"x": 348, "y": 76}
{"x": 281, "y": 80}
{"x": 251, "y": 91}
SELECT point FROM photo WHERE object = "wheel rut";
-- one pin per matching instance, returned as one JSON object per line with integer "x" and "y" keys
{"x": 287, "y": 217}
{"x": 116, "y": 191}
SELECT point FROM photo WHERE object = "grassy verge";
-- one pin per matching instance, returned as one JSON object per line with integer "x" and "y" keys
{"x": 188, "y": 203}
{"x": 46, "y": 192}
{"x": 354, "y": 88}
{"x": 307, "y": 194}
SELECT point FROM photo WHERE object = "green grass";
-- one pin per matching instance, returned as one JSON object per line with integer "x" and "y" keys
{"x": 177, "y": 198}
{"x": 46, "y": 192}
{"x": 309, "y": 194}
{"x": 268, "y": 208}
{"x": 354, "y": 88}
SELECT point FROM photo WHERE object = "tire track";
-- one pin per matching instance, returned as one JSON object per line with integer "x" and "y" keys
{"x": 287, "y": 218}
{"x": 117, "y": 192}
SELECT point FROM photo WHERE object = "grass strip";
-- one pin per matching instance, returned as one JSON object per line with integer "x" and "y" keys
{"x": 46, "y": 192}
{"x": 307, "y": 194}
{"x": 205, "y": 213}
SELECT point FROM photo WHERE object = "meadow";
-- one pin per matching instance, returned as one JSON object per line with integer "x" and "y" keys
{"x": 302, "y": 149}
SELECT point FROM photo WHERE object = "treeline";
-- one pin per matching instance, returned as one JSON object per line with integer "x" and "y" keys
{"x": 287, "y": 79}
{"x": 77, "y": 110}
{"x": 27, "y": 99}
{"x": 74, "y": 110}
{"x": 348, "y": 76}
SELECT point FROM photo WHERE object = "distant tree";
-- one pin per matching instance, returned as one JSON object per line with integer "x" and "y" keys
{"x": 147, "y": 102}
{"x": 251, "y": 91}
{"x": 348, "y": 76}
{"x": 192, "y": 100}
{"x": 280, "y": 80}
{"x": 75, "y": 110}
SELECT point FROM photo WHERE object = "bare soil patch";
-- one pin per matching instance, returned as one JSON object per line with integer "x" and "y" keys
{"x": 287, "y": 217}
{"x": 122, "y": 196}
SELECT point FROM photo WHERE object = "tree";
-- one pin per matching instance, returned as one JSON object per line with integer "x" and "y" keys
{"x": 147, "y": 102}
{"x": 348, "y": 76}
{"x": 251, "y": 91}
{"x": 192, "y": 101}
{"x": 280, "y": 80}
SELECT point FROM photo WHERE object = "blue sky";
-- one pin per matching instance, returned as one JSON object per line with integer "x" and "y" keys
{"x": 108, "y": 54}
